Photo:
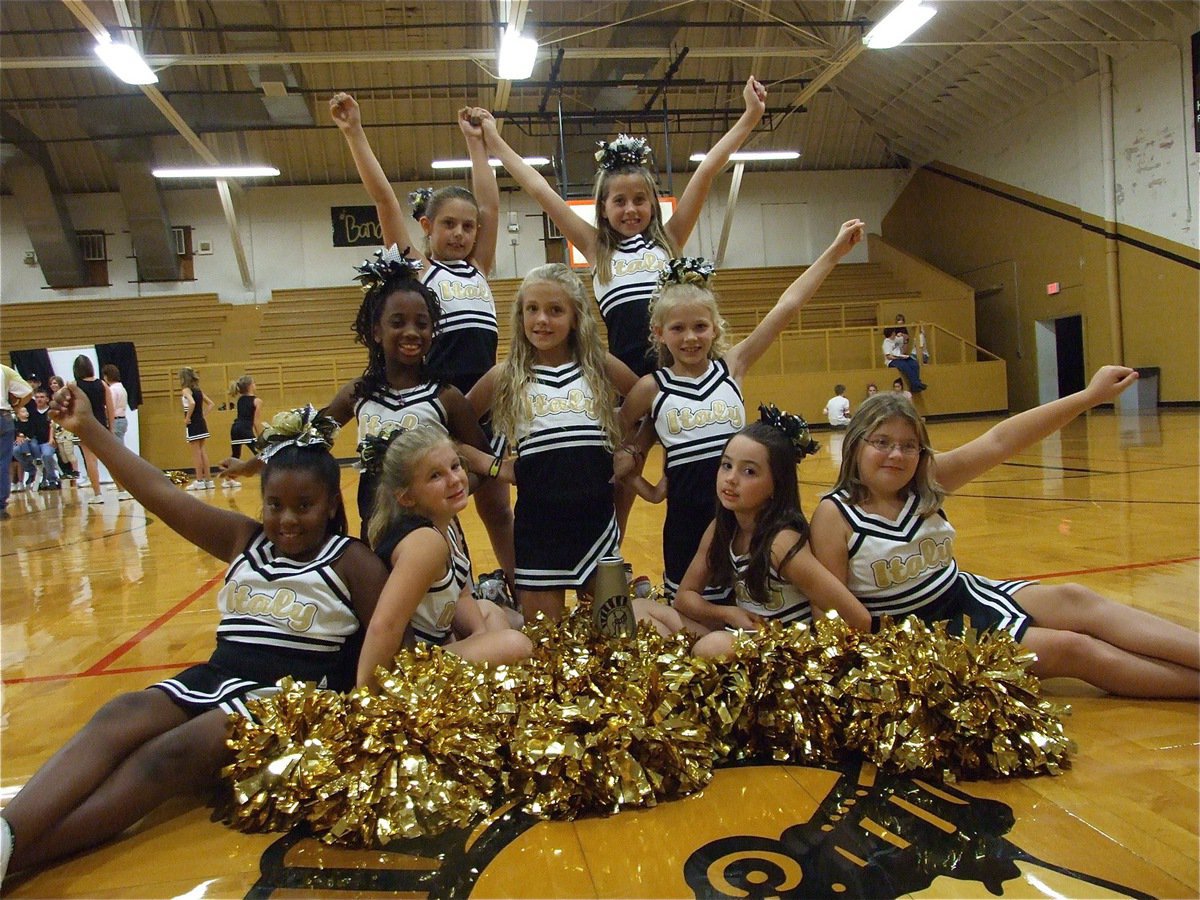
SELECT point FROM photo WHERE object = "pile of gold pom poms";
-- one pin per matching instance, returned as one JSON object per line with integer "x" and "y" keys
{"x": 592, "y": 726}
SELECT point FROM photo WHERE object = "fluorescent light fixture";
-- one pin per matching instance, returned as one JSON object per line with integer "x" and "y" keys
{"x": 124, "y": 61}
{"x": 897, "y": 25}
{"x": 493, "y": 162}
{"x": 753, "y": 155}
{"x": 517, "y": 55}
{"x": 218, "y": 172}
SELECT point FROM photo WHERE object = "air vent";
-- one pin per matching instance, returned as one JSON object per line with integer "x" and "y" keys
{"x": 93, "y": 246}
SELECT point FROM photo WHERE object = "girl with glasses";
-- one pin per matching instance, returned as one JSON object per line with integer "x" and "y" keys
{"x": 883, "y": 533}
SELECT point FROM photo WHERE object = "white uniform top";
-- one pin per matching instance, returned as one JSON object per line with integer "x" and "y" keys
{"x": 466, "y": 332}
{"x": 406, "y": 408}
{"x": 785, "y": 603}
{"x": 269, "y": 600}
{"x": 434, "y": 615}
{"x": 838, "y": 410}
{"x": 902, "y": 566}
{"x": 694, "y": 417}
{"x": 625, "y": 300}
{"x": 562, "y": 412}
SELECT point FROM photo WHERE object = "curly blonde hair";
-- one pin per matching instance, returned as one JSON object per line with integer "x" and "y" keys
{"x": 694, "y": 290}
{"x": 510, "y": 407}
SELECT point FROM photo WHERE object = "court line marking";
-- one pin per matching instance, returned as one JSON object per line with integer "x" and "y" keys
{"x": 128, "y": 645}
{"x": 100, "y": 667}
{"x": 1120, "y": 568}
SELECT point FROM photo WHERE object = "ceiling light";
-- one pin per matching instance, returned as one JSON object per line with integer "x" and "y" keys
{"x": 493, "y": 162}
{"x": 753, "y": 155}
{"x": 124, "y": 61}
{"x": 217, "y": 172}
{"x": 517, "y": 55}
{"x": 897, "y": 25}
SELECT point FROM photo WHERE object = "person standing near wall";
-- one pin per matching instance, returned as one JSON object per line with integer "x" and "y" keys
{"x": 19, "y": 390}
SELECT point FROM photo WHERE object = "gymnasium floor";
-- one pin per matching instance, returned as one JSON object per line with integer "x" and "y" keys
{"x": 99, "y": 600}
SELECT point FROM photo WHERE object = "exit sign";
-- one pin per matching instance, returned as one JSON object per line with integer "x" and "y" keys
{"x": 1053, "y": 288}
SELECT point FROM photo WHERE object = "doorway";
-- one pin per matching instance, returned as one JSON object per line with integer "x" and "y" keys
{"x": 1059, "y": 356}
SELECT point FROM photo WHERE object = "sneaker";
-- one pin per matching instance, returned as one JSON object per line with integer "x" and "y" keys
{"x": 210, "y": 485}
{"x": 196, "y": 486}
{"x": 124, "y": 495}
{"x": 99, "y": 498}
{"x": 18, "y": 487}
{"x": 83, "y": 484}
{"x": 231, "y": 483}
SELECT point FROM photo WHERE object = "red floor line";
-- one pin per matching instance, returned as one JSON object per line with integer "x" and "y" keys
{"x": 1141, "y": 565}
{"x": 31, "y": 679}
{"x": 99, "y": 668}
{"x": 120, "y": 651}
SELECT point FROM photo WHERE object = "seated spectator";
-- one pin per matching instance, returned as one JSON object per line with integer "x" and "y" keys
{"x": 895, "y": 356}
{"x": 37, "y": 443}
{"x": 837, "y": 409}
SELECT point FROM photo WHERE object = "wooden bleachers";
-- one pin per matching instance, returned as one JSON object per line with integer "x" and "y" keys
{"x": 162, "y": 328}
{"x": 317, "y": 321}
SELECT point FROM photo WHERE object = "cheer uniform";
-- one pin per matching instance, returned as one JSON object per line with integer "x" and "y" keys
{"x": 197, "y": 428}
{"x": 906, "y": 567}
{"x": 625, "y": 300}
{"x": 465, "y": 345}
{"x": 434, "y": 616}
{"x": 564, "y": 516}
{"x": 694, "y": 418}
{"x": 784, "y": 603}
{"x": 279, "y": 617}
{"x": 406, "y": 408}
{"x": 241, "y": 432}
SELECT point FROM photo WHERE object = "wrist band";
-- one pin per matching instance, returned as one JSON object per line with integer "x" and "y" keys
{"x": 494, "y": 468}
{"x": 632, "y": 451}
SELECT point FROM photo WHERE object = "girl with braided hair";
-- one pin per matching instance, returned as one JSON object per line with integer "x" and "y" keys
{"x": 296, "y": 597}
{"x": 396, "y": 323}
{"x": 695, "y": 399}
{"x": 459, "y": 230}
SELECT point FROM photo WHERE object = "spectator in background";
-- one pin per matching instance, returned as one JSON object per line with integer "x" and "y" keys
{"x": 871, "y": 389}
{"x": 64, "y": 441}
{"x": 896, "y": 356}
{"x": 120, "y": 400}
{"x": 38, "y": 443}
{"x": 898, "y": 388}
{"x": 101, "y": 400}
{"x": 15, "y": 392}
{"x": 837, "y": 409}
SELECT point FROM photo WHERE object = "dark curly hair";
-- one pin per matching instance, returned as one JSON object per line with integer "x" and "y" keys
{"x": 374, "y": 376}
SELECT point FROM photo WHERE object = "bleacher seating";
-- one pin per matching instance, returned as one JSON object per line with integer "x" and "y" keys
{"x": 161, "y": 327}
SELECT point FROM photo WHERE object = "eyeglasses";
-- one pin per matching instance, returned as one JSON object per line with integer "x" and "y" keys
{"x": 906, "y": 448}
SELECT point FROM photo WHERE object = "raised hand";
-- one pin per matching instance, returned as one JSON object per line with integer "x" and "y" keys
{"x": 470, "y": 123}
{"x": 344, "y": 111}
{"x": 850, "y": 234}
{"x": 755, "y": 96}
{"x": 69, "y": 407}
{"x": 1109, "y": 382}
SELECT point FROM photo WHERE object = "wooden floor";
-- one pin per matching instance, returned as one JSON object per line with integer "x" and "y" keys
{"x": 99, "y": 600}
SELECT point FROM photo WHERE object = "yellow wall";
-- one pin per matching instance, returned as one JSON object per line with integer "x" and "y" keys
{"x": 1010, "y": 246}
